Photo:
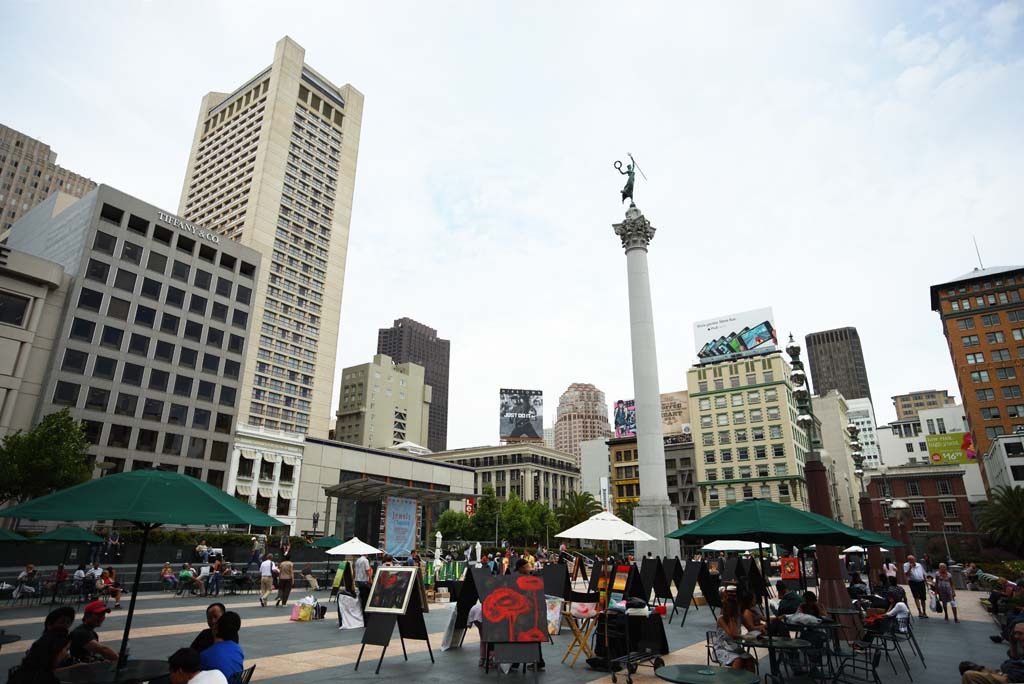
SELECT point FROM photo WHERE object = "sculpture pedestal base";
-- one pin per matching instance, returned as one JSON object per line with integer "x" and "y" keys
{"x": 657, "y": 520}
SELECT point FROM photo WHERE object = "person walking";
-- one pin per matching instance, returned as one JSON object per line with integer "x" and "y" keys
{"x": 254, "y": 555}
{"x": 914, "y": 572}
{"x": 890, "y": 572}
{"x": 307, "y": 574}
{"x": 362, "y": 579}
{"x": 946, "y": 591}
{"x": 267, "y": 571}
{"x": 285, "y": 580}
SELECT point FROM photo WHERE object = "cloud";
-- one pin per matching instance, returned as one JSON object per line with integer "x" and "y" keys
{"x": 1001, "y": 21}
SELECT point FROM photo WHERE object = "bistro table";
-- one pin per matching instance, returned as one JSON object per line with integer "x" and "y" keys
{"x": 773, "y": 644}
{"x": 702, "y": 674}
{"x": 852, "y": 615}
{"x": 830, "y": 626}
{"x": 107, "y": 673}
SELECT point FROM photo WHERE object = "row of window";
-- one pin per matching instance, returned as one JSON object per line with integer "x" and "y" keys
{"x": 988, "y": 394}
{"x": 764, "y": 491}
{"x": 744, "y": 453}
{"x": 214, "y": 476}
{"x": 997, "y": 355}
{"x": 736, "y": 399}
{"x": 147, "y": 440}
{"x": 740, "y": 417}
{"x": 734, "y": 381}
{"x": 913, "y": 487}
{"x": 756, "y": 434}
{"x": 746, "y": 472}
{"x": 1011, "y": 297}
{"x": 66, "y": 393}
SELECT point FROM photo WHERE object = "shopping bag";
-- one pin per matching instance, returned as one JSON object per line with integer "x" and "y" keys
{"x": 295, "y": 612}
{"x": 305, "y": 613}
{"x": 933, "y": 602}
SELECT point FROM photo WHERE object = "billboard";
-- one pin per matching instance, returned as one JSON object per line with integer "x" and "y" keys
{"x": 675, "y": 414}
{"x": 735, "y": 335}
{"x": 624, "y": 418}
{"x": 400, "y": 526}
{"x": 522, "y": 414}
{"x": 954, "y": 448}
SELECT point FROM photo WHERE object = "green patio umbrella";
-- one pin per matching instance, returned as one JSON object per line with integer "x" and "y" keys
{"x": 872, "y": 538}
{"x": 147, "y": 499}
{"x": 69, "y": 535}
{"x": 8, "y": 536}
{"x": 328, "y": 542}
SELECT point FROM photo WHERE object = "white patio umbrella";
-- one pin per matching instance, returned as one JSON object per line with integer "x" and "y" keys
{"x": 854, "y": 549}
{"x": 731, "y": 545}
{"x": 354, "y": 547}
{"x": 605, "y": 526}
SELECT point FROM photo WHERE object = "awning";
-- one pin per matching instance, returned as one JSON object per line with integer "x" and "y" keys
{"x": 270, "y": 456}
{"x": 243, "y": 490}
{"x": 289, "y": 459}
{"x": 376, "y": 490}
{"x": 286, "y": 494}
{"x": 250, "y": 454}
{"x": 266, "y": 492}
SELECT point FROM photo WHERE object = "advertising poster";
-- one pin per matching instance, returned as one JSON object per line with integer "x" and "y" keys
{"x": 399, "y": 526}
{"x": 521, "y": 414}
{"x": 742, "y": 334}
{"x": 625, "y": 418}
{"x": 675, "y": 414}
{"x": 954, "y": 448}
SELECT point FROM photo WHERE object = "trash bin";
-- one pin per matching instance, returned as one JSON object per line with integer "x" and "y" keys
{"x": 957, "y": 571}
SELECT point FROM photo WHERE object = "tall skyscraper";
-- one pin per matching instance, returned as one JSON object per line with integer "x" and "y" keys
{"x": 837, "y": 363}
{"x": 28, "y": 175}
{"x": 273, "y": 167}
{"x": 408, "y": 341}
{"x": 983, "y": 320}
{"x": 582, "y": 415}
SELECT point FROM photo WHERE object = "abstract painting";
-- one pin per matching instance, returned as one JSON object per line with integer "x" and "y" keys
{"x": 514, "y": 609}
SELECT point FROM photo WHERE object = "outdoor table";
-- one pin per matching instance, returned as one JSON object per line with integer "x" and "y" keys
{"x": 853, "y": 614}
{"x": 831, "y": 626}
{"x": 702, "y": 674}
{"x": 107, "y": 673}
{"x": 774, "y": 644}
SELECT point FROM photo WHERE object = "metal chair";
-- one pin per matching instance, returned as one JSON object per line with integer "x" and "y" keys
{"x": 709, "y": 644}
{"x": 904, "y": 632}
{"x": 887, "y": 643}
{"x": 860, "y": 666}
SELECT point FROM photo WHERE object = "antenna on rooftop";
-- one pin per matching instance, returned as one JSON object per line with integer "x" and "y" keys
{"x": 977, "y": 251}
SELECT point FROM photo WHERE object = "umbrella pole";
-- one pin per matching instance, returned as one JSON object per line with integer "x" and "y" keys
{"x": 123, "y": 655}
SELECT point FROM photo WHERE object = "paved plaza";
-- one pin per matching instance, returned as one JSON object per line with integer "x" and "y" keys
{"x": 313, "y": 652}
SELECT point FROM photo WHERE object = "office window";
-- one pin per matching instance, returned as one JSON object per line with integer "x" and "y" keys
{"x": 66, "y": 393}
{"x": 219, "y": 312}
{"x": 239, "y": 319}
{"x": 92, "y": 429}
{"x": 965, "y": 324}
{"x": 74, "y": 361}
{"x": 1001, "y": 355}
{"x": 126, "y": 404}
{"x": 172, "y": 444}
{"x": 737, "y": 399}
{"x": 990, "y": 413}
{"x": 236, "y": 343}
{"x": 82, "y": 329}
{"x": 985, "y": 394}
{"x": 146, "y": 441}
{"x": 158, "y": 380}
{"x": 188, "y": 357}
{"x": 104, "y": 242}
{"x": 995, "y": 431}
{"x": 111, "y": 337}
{"x": 131, "y": 252}
{"x": 193, "y": 331}
{"x": 164, "y": 351}
{"x": 175, "y": 297}
{"x": 201, "y": 419}
{"x": 180, "y": 271}
{"x": 774, "y": 432}
{"x": 1011, "y": 392}
{"x": 743, "y": 453}
{"x": 119, "y": 436}
{"x": 177, "y": 414}
{"x": 223, "y": 287}
{"x": 942, "y": 425}
{"x": 243, "y": 294}
{"x": 151, "y": 289}
{"x": 778, "y": 451}
{"x": 205, "y": 390}
{"x": 979, "y": 376}
{"x": 741, "y": 435}
{"x": 219, "y": 451}
{"x": 722, "y": 418}
{"x": 997, "y": 337}
{"x": 125, "y": 280}
{"x": 97, "y": 270}
{"x": 709, "y": 457}
{"x": 152, "y": 409}
{"x": 975, "y": 358}
{"x": 232, "y": 368}
{"x": 214, "y": 338}
{"x": 196, "y": 447}
{"x": 138, "y": 344}
{"x": 910, "y": 447}
{"x": 988, "y": 320}
{"x": 913, "y": 488}
{"x": 87, "y": 299}
{"x": 202, "y": 279}
{"x": 917, "y": 508}
{"x": 131, "y": 374}
{"x": 726, "y": 455}
{"x": 169, "y": 323}
{"x": 145, "y": 316}
{"x": 183, "y": 386}
{"x": 1006, "y": 373}
{"x": 720, "y": 402}
{"x": 704, "y": 404}
{"x": 157, "y": 262}
{"x": 970, "y": 341}
{"x": 198, "y": 304}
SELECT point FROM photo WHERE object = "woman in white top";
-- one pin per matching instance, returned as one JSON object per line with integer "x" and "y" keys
{"x": 890, "y": 571}
{"x": 880, "y": 622}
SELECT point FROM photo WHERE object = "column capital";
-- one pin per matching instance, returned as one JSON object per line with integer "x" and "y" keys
{"x": 636, "y": 232}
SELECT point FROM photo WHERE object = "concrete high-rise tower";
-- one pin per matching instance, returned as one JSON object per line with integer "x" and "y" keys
{"x": 273, "y": 166}
{"x": 655, "y": 515}
{"x": 837, "y": 363}
{"x": 582, "y": 415}
{"x": 410, "y": 342}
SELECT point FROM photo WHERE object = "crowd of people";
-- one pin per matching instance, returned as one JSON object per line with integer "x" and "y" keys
{"x": 213, "y": 657}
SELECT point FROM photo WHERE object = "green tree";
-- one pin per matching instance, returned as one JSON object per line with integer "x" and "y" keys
{"x": 53, "y": 455}
{"x": 514, "y": 524}
{"x": 483, "y": 529}
{"x": 1003, "y": 517}
{"x": 542, "y": 522}
{"x": 455, "y": 526}
{"x": 576, "y": 507}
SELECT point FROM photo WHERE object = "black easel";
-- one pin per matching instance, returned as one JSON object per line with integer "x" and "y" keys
{"x": 685, "y": 586}
{"x": 709, "y": 585}
{"x": 381, "y": 626}
{"x": 652, "y": 574}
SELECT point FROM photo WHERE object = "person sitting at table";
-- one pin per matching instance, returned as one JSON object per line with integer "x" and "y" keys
{"x": 105, "y": 587}
{"x": 40, "y": 664}
{"x": 167, "y": 576}
{"x": 878, "y": 621}
{"x": 727, "y": 647}
{"x": 58, "y": 579}
{"x": 186, "y": 667}
{"x": 85, "y": 643}
{"x": 810, "y": 606}
{"x": 225, "y": 654}
{"x": 60, "y": 618}
{"x": 188, "y": 580}
{"x": 750, "y": 615}
{"x": 789, "y": 599}
{"x": 26, "y": 582}
{"x": 204, "y": 640}
{"x": 307, "y": 574}
{"x": 857, "y": 587}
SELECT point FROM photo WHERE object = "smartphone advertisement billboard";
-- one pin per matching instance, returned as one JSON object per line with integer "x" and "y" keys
{"x": 521, "y": 414}
{"x": 742, "y": 334}
{"x": 954, "y": 448}
{"x": 625, "y": 418}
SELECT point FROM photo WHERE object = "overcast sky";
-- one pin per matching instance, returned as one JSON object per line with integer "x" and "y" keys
{"x": 829, "y": 159}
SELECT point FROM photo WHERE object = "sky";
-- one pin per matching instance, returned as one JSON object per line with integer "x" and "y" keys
{"x": 829, "y": 160}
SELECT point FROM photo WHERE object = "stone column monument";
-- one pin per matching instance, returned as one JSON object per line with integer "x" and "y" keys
{"x": 655, "y": 514}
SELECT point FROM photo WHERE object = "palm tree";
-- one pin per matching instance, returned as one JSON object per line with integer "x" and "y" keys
{"x": 576, "y": 508}
{"x": 1003, "y": 517}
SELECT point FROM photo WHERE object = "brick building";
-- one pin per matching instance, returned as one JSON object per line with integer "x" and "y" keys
{"x": 936, "y": 494}
{"x": 982, "y": 315}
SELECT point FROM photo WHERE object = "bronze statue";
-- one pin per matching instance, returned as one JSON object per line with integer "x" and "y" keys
{"x": 630, "y": 174}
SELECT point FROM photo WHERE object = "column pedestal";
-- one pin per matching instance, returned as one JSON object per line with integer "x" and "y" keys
{"x": 831, "y": 589}
{"x": 657, "y": 520}
{"x": 867, "y": 516}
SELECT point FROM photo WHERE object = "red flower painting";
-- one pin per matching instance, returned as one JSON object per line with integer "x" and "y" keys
{"x": 514, "y": 609}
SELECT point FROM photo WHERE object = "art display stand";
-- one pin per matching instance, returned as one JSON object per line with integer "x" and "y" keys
{"x": 655, "y": 581}
{"x": 673, "y": 570}
{"x": 469, "y": 594}
{"x": 709, "y": 585}
{"x": 343, "y": 579}
{"x": 556, "y": 580}
{"x": 685, "y": 585}
{"x": 380, "y": 627}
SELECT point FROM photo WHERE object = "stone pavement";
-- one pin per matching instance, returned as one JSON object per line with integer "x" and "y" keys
{"x": 315, "y": 652}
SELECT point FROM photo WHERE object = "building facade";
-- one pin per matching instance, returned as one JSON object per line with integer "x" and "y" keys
{"x": 936, "y": 494}
{"x": 1004, "y": 462}
{"x": 272, "y": 167}
{"x": 582, "y": 415}
{"x": 833, "y": 412}
{"x": 33, "y": 292}
{"x": 408, "y": 341}
{"x": 837, "y": 363}
{"x": 682, "y": 478}
{"x": 529, "y": 470}
{"x": 383, "y": 404}
{"x": 982, "y": 316}
{"x": 28, "y": 175}
{"x": 596, "y": 471}
{"x": 909, "y": 405}
{"x": 151, "y": 345}
{"x": 625, "y": 473}
{"x": 862, "y": 414}
{"x": 745, "y": 433}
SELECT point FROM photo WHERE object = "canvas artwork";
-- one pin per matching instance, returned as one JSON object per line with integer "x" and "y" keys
{"x": 619, "y": 581}
{"x": 514, "y": 609}
{"x": 391, "y": 590}
{"x": 554, "y": 615}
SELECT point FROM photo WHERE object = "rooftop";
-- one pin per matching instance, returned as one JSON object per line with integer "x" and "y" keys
{"x": 969, "y": 276}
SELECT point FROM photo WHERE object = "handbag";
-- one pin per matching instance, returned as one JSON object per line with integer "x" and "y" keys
{"x": 933, "y": 602}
